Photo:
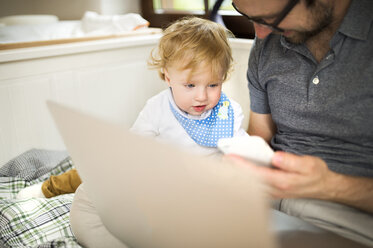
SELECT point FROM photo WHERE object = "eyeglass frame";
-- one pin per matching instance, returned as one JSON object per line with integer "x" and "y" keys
{"x": 279, "y": 19}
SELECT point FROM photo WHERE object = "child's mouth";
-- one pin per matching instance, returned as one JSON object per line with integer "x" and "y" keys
{"x": 199, "y": 108}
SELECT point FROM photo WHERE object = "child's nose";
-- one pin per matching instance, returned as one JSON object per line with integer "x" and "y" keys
{"x": 201, "y": 94}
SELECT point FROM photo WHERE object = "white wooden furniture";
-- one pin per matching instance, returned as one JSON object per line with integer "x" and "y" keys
{"x": 108, "y": 78}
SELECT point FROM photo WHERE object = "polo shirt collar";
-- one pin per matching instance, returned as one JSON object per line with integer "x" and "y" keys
{"x": 356, "y": 24}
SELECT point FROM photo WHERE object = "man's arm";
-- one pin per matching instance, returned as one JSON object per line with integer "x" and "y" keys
{"x": 307, "y": 176}
{"x": 262, "y": 125}
{"x": 354, "y": 191}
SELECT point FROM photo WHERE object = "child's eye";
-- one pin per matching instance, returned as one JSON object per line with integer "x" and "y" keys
{"x": 213, "y": 85}
{"x": 189, "y": 85}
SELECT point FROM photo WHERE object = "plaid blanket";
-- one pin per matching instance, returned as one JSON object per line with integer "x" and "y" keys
{"x": 35, "y": 222}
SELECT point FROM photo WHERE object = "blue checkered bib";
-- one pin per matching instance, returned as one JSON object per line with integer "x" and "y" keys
{"x": 207, "y": 132}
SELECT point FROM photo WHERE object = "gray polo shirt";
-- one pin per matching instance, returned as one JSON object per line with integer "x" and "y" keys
{"x": 322, "y": 109}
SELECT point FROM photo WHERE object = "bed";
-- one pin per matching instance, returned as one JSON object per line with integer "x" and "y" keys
{"x": 34, "y": 222}
{"x": 107, "y": 77}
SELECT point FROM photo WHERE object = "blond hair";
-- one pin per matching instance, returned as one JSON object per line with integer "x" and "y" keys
{"x": 191, "y": 41}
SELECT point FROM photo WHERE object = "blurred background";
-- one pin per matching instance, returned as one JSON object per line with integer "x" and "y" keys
{"x": 158, "y": 12}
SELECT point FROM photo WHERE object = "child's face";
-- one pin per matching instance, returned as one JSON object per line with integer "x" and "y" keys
{"x": 194, "y": 91}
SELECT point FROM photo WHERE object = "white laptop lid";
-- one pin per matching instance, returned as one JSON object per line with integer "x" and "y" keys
{"x": 150, "y": 194}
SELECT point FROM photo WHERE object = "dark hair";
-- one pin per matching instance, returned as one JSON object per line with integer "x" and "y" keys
{"x": 309, "y": 3}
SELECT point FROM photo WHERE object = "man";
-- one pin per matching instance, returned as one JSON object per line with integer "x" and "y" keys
{"x": 311, "y": 86}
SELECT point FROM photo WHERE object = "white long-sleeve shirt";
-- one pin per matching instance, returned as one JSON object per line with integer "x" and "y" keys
{"x": 156, "y": 119}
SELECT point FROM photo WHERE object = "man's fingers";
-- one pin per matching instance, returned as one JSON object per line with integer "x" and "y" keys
{"x": 289, "y": 162}
{"x": 271, "y": 176}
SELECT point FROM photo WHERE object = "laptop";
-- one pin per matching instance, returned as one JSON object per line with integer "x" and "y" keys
{"x": 151, "y": 194}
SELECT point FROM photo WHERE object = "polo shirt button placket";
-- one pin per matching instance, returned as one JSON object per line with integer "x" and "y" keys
{"x": 316, "y": 80}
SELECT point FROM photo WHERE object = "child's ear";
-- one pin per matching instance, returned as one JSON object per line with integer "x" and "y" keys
{"x": 166, "y": 76}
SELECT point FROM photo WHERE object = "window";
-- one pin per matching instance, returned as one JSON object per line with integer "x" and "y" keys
{"x": 188, "y": 5}
{"x": 178, "y": 5}
{"x": 161, "y": 12}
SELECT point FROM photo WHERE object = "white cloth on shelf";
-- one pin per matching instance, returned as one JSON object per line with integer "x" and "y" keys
{"x": 94, "y": 23}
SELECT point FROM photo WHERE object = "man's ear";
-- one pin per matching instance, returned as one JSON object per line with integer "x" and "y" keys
{"x": 166, "y": 76}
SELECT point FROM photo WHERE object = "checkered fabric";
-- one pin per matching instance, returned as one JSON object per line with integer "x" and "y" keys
{"x": 32, "y": 164}
{"x": 35, "y": 222}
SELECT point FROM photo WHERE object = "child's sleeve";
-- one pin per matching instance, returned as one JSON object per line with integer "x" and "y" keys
{"x": 145, "y": 123}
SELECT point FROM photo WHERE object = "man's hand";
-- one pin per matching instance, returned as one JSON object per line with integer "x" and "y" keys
{"x": 295, "y": 176}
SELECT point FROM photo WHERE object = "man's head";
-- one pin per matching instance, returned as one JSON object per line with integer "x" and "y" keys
{"x": 296, "y": 20}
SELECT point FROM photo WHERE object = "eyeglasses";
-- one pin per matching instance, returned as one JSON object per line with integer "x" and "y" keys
{"x": 274, "y": 25}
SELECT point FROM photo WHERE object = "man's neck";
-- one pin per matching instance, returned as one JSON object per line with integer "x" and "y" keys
{"x": 319, "y": 45}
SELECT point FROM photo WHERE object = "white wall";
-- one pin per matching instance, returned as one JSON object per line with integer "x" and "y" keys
{"x": 108, "y": 78}
{"x": 67, "y": 9}
{"x": 110, "y": 7}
